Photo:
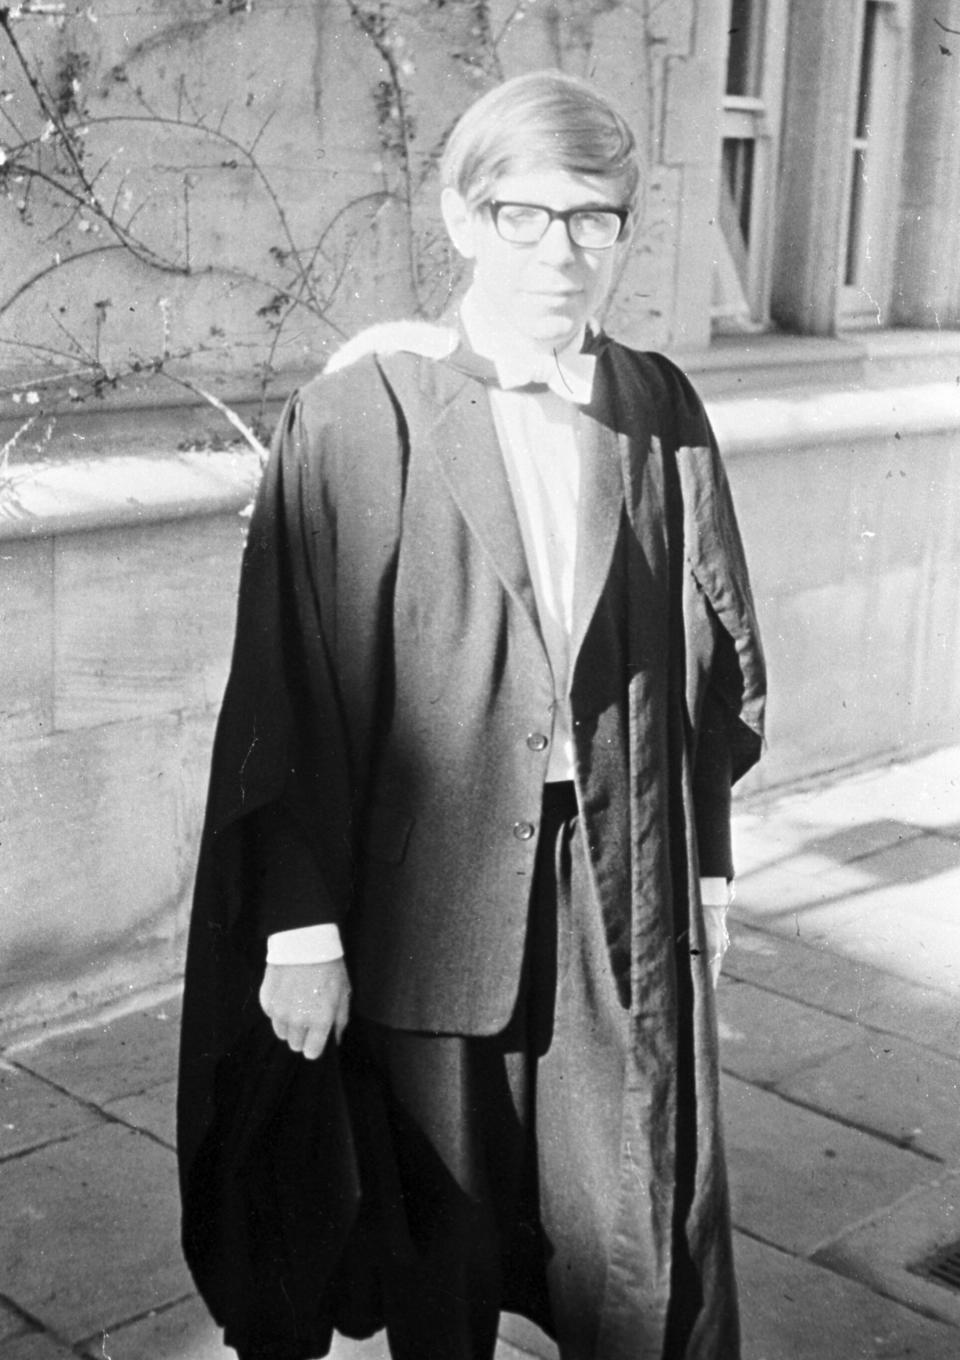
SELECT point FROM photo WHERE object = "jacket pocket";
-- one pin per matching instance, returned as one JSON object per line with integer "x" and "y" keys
{"x": 386, "y": 834}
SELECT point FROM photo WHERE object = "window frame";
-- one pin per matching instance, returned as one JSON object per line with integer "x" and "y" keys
{"x": 742, "y": 276}
{"x": 876, "y": 139}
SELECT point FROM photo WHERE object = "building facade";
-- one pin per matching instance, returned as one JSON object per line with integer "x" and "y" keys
{"x": 214, "y": 194}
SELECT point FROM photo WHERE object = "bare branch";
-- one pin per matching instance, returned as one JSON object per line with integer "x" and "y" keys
{"x": 263, "y": 127}
{"x": 18, "y": 434}
{"x": 235, "y": 420}
{"x": 201, "y": 129}
{"x": 87, "y": 194}
{"x": 497, "y": 38}
{"x": 52, "y": 268}
{"x": 142, "y": 100}
{"x": 91, "y": 359}
{"x": 186, "y": 220}
{"x": 12, "y": 121}
{"x": 79, "y": 368}
{"x": 43, "y": 97}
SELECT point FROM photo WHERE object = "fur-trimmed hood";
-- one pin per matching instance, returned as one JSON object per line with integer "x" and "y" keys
{"x": 431, "y": 340}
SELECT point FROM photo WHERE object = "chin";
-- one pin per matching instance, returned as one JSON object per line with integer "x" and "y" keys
{"x": 552, "y": 330}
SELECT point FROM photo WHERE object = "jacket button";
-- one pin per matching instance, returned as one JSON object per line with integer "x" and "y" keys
{"x": 523, "y": 830}
{"x": 537, "y": 741}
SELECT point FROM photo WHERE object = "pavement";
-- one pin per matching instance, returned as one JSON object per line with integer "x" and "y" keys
{"x": 840, "y": 1019}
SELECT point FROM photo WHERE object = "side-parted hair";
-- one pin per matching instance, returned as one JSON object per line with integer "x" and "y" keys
{"x": 542, "y": 118}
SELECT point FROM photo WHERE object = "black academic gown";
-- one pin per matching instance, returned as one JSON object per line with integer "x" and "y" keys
{"x": 387, "y": 670}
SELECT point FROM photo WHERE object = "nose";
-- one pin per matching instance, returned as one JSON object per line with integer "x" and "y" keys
{"x": 555, "y": 243}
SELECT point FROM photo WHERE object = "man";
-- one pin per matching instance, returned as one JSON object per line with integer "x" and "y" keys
{"x": 468, "y": 836}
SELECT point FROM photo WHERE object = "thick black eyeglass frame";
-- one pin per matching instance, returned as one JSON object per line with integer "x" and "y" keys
{"x": 553, "y": 215}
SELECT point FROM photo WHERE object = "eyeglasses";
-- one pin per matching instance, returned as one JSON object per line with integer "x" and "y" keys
{"x": 524, "y": 224}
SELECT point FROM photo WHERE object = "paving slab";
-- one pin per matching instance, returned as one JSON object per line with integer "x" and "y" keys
{"x": 826, "y": 837}
{"x": 154, "y": 1111}
{"x": 91, "y": 1232}
{"x": 765, "y": 1038}
{"x": 797, "y": 1179}
{"x": 915, "y": 859}
{"x": 890, "y": 1085}
{"x": 776, "y": 836}
{"x": 795, "y": 1310}
{"x": 793, "y": 967}
{"x": 36, "y": 1346}
{"x": 831, "y": 865}
{"x": 922, "y": 792}
{"x": 849, "y": 841}
{"x": 104, "y": 1060}
{"x": 923, "y": 947}
{"x": 33, "y": 1113}
{"x": 884, "y": 1251}
{"x": 780, "y": 894}
{"x": 846, "y": 987}
{"x": 184, "y": 1331}
{"x": 11, "y": 1323}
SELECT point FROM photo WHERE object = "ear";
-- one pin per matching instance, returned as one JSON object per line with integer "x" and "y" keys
{"x": 628, "y": 231}
{"x": 460, "y": 221}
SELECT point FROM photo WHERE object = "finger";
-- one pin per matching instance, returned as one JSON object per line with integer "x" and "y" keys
{"x": 266, "y": 996}
{"x": 343, "y": 1015}
{"x": 316, "y": 1042}
{"x": 296, "y": 1038}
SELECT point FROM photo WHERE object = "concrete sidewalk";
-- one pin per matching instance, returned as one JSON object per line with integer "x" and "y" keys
{"x": 840, "y": 1011}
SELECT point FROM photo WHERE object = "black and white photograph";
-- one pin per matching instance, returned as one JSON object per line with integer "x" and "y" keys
{"x": 480, "y": 680}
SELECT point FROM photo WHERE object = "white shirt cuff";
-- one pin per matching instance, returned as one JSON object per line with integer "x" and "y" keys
{"x": 306, "y": 944}
{"x": 716, "y": 892}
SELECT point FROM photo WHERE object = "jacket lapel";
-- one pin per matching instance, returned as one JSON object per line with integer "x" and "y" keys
{"x": 625, "y": 407}
{"x": 598, "y": 522}
{"x": 466, "y": 447}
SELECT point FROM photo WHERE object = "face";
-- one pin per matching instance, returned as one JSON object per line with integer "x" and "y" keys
{"x": 546, "y": 291}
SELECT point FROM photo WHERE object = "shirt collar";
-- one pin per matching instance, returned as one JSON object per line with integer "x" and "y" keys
{"x": 567, "y": 372}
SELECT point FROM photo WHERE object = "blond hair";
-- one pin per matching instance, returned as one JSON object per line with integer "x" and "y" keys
{"x": 542, "y": 118}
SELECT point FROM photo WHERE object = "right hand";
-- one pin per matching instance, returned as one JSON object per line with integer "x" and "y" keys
{"x": 305, "y": 1001}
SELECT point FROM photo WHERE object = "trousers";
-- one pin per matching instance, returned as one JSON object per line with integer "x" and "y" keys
{"x": 500, "y": 1167}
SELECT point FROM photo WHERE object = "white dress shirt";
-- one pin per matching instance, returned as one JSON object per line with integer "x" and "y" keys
{"x": 537, "y": 433}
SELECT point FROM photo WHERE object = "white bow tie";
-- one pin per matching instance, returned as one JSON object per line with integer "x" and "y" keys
{"x": 569, "y": 375}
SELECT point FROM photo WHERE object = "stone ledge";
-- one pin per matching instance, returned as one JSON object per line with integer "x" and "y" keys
{"x": 44, "y": 499}
{"x": 48, "y": 498}
{"x": 807, "y": 418}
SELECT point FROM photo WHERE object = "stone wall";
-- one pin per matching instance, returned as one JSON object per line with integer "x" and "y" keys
{"x": 849, "y": 503}
{"x": 261, "y": 179}
{"x": 117, "y": 589}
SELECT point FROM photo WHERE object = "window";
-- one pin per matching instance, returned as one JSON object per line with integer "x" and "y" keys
{"x": 872, "y": 164}
{"x": 750, "y": 136}
{"x": 838, "y": 187}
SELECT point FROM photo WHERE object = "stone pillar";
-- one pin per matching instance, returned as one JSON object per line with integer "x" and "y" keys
{"x": 692, "y": 134}
{"x": 821, "y": 82}
{"x": 926, "y": 285}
